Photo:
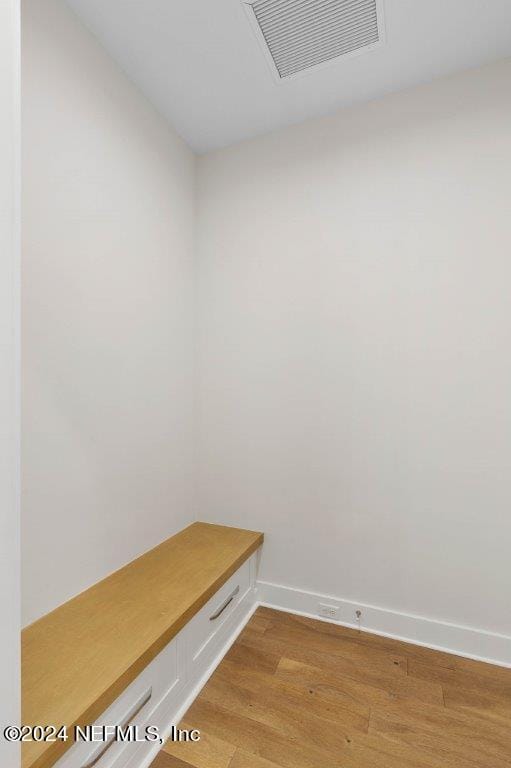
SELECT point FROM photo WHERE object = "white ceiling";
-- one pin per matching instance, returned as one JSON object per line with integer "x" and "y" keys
{"x": 200, "y": 63}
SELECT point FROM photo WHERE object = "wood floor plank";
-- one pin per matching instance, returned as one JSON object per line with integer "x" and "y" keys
{"x": 287, "y": 693}
{"x": 501, "y": 675}
{"x": 370, "y": 750}
{"x": 290, "y": 713}
{"x": 364, "y": 639}
{"x": 478, "y": 702}
{"x": 335, "y": 645}
{"x": 248, "y": 652}
{"x": 372, "y": 671}
{"x": 461, "y": 740}
{"x": 259, "y": 623}
{"x": 209, "y": 752}
{"x": 355, "y": 692}
{"x": 370, "y": 755}
{"x": 168, "y": 761}
{"x": 360, "y": 752}
{"x": 298, "y": 693}
{"x": 471, "y": 681}
{"x": 243, "y": 759}
{"x": 259, "y": 738}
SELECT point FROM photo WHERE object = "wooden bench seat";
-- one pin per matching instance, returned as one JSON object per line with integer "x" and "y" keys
{"x": 78, "y": 659}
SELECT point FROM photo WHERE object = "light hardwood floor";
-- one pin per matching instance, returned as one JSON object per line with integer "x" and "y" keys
{"x": 297, "y": 693}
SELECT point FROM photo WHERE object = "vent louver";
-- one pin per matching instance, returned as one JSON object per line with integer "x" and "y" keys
{"x": 302, "y": 34}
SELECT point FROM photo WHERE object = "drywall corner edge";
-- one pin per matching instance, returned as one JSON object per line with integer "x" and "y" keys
{"x": 9, "y": 371}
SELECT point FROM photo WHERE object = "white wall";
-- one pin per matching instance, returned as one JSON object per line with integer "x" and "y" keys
{"x": 355, "y": 327}
{"x": 9, "y": 378}
{"x": 108, "y": 216}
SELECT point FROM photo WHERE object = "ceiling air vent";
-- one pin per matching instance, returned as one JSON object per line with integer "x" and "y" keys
{"x": 300, "y": 35}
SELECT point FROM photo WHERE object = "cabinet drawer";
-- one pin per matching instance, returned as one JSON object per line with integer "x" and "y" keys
{"x": 133, "y": 707}
{"x": 201, "y": 631}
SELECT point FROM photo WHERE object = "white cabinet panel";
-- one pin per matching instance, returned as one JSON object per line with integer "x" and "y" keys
{"x": 200, "y": 633}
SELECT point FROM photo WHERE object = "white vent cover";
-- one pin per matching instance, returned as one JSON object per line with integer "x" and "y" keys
{"x": 303, "y": 34}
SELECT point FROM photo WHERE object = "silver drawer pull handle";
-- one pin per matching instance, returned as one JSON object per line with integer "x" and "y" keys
{"x": 224, "y": 605}
{"x": 134, "y": 710}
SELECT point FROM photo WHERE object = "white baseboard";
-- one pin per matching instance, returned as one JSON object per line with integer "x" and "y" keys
{"x": 441, "y": 636}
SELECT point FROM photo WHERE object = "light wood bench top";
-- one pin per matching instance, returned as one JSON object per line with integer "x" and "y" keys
{"x": 80, "y": 657}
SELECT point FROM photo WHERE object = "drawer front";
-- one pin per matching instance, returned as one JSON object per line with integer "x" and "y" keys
{"x": 200, "y": 633}
{"x": 160, "y": 679}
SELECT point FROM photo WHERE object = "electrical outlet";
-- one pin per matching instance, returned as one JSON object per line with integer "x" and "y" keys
{"x": 328, "y": 611}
